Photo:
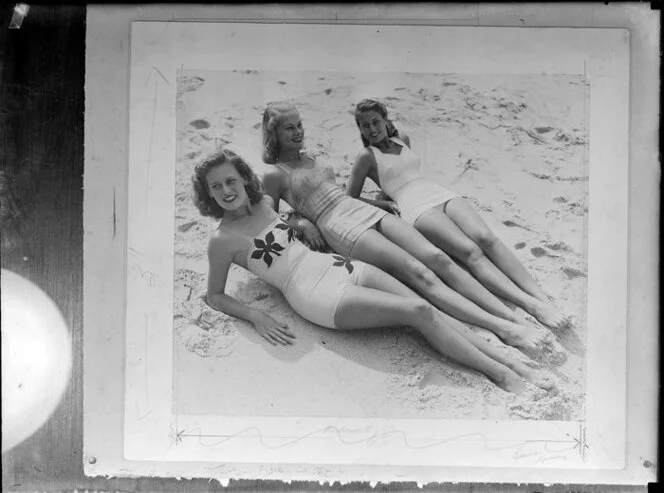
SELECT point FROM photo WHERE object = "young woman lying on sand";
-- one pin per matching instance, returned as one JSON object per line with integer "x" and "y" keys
{"x": 358, "y": 230}
{"x": 442, "y": 216}
{"x": 326, "y": 289}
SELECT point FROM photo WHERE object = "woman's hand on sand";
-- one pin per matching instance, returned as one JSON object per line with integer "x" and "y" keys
{"x": 272, "y": 331}
{"x": 311, "y": 234}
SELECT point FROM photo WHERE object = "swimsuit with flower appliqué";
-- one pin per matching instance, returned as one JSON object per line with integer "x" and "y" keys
{"x": 401, "y": 179}
{"x": 313, "y": 283}
{"x": 341, "y": 219}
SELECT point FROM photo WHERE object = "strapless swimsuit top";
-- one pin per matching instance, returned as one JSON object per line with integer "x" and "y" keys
{"x": 397, "y": 170}
{"x": 275, "y": 253}
{"x": 314, "y": 191}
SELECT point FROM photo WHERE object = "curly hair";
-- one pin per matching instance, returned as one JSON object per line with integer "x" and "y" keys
{"x": 204, "y": 201}
{"x": 270, "y": 119}
{"x": 367, "y": 105}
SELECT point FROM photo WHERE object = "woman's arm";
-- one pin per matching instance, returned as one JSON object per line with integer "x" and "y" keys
{"x": 363, "y": 168}
{"x": 273, "y": 186}
{"x": 359, "y": 172}
{"x": 220, "y": 258}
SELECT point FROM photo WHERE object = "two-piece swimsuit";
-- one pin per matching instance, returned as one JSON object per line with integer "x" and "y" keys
{"x": 312, "y": 282}
{"x": 341, "y": 219}
{"x": 401, "y": 179}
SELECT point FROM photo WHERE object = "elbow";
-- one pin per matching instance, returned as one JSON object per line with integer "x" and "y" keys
{"x": 209, "y": 301}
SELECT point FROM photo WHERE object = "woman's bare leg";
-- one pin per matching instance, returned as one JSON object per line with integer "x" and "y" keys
{"x": 373, "y": 248}
{"x": 412, "y": 241}
{"x": 468, "y": 221}
{"x": 377, "y": 279}
{"x": 362, "y": 308}
{"x": 440, "y": 230}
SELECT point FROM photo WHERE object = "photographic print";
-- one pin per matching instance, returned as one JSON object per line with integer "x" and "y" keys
{"x": 513, "y": 147}
{"x": 365, "y": 257}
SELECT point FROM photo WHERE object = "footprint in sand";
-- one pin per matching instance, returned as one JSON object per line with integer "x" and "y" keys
{"x": 560, "y": 200}
{"x": 200, "y": 124}
{"x": 187, "y": 226}
{"x": 572, "y": 273}
{"x": 511, "y": 224}
{"x": 561, "y": 246}
{"x": 540, "y": 176}
{"x": 539, "y": 252}
{"x": 519, "y": 245}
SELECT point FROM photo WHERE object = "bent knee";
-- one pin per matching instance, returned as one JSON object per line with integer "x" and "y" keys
{"x": 419, "y": 274}
{"x": 472, "y": 253}
{"x": 439, "y": 261}
{"x": 423, "y": 310}
{"x": 486, "y": 240}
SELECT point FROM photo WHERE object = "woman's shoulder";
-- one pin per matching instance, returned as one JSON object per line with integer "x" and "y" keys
{"x": 224, "y": 239}
{"x": 365, "y": 158}
{"x": 274, "y": 176}
{"x": 273, "y": 172}
{"x": 266, "y": 201}
{"x": 365, "y": 154}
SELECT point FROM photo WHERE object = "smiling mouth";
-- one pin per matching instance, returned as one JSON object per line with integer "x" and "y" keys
{"x": 230, "y": 199}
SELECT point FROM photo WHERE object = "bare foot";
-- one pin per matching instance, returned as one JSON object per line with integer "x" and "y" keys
{"x": 550, "y": 316}
{"x": 535, "y": 376}
{"x": 530, "y": 341}
{"x": 511, "y": 382}
{"x": 536, "y": 343}
{"x": 552, "y": 352}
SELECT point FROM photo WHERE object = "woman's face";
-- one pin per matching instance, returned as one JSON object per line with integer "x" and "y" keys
{"x": 227, "y": 187}
{"x": 290, "y": 132}
{"x": 373, "y": 126}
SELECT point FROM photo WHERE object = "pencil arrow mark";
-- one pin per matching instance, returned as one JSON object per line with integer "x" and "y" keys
{"x": 155, "y": 75}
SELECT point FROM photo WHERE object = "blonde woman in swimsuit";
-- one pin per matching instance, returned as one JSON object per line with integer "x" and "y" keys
{"x": 442, "y": 216}
{"x": 360, "y": 231}
{"x": 326, "y": 289}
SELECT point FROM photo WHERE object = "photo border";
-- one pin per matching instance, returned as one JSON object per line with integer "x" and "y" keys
{"x": 159, "y": 50}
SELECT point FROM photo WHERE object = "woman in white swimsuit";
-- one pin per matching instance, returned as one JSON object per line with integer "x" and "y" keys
{"x": 326, "y": 289}
{"x": 442, "y": 216}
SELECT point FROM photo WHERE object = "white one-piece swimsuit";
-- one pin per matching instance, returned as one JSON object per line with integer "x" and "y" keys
{"x": 313, "y": 283}
{"x": 401, "y": 179}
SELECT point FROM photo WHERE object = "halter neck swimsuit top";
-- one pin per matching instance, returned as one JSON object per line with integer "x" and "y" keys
{"x": 397, "y": 170}
{"x": 313, "y": 283}
{"x": 401, "y": 179}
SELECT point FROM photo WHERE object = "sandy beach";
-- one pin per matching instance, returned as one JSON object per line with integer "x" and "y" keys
{"x": 515, "y": 146}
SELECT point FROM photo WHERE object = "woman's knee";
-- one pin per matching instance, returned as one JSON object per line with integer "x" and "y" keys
{"x": 486, "y": 239}
{"x": 438, "y": 260}
{"x": 422, "y": 310}
{"x": 418, "y": 273}
{"x": 471, "y": 253}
